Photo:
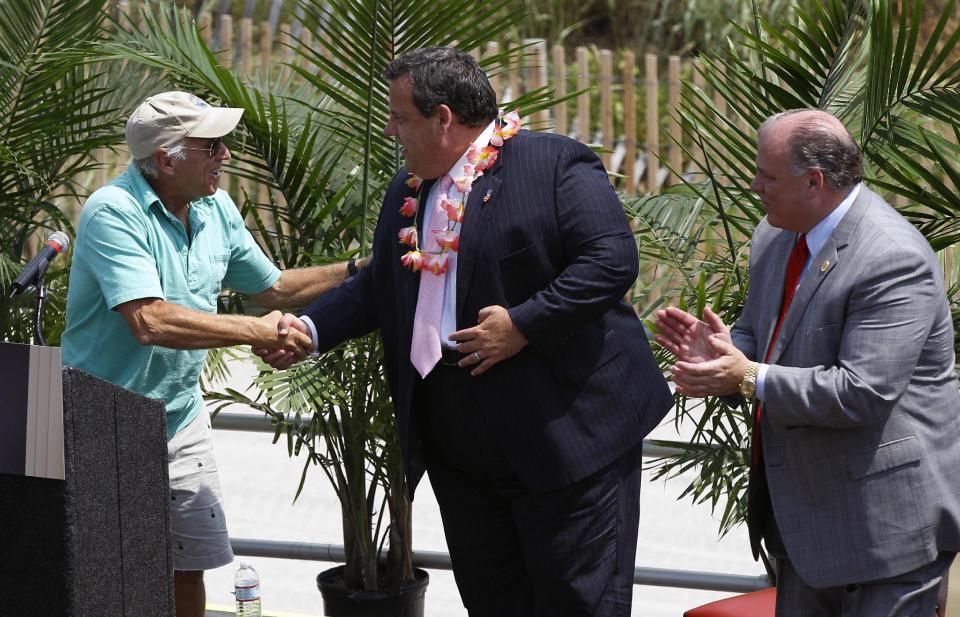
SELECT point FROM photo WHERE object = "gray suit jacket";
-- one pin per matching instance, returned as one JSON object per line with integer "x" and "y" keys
{"x": 861, "y": 417}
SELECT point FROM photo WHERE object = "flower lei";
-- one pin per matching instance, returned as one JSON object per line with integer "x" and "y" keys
{"x": 478, "y": 160}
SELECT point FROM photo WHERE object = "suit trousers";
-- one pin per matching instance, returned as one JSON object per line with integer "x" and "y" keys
{"x": 913, "y": 594}
{"x": 516, "y": 551}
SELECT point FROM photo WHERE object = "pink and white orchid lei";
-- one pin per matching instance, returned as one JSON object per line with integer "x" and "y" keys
{"x": 478, "y": 160}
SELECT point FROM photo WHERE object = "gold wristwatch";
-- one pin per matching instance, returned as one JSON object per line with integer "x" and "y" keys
{"x": 748, "y": 387}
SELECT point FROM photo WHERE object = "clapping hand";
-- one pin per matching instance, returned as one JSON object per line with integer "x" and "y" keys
{"x": 708, "y": 362}
{"x": 688, "y": 338}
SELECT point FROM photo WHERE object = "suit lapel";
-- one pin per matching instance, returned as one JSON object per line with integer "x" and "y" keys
{"x": 820, "y": 268}
{"x": 770, "y": 286}
{"x": 476, "y": 219}
{"x": 823, "y": 265}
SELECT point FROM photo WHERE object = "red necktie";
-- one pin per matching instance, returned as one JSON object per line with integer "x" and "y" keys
{"x": 798, "y": 258}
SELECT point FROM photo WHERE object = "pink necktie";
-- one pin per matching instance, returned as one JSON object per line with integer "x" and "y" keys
{"x": 425, "y": 346}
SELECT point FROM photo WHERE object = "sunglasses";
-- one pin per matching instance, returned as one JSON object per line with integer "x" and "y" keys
{"x": 212, "y": 149}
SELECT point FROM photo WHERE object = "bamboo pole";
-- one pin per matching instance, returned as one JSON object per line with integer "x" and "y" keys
{"x": 103, "y": 156}
{"x": 606, "y": 105}
{"x": 630, "y": 121}
{"x": 246, "y": 43}
{"x": 948, "y": 254}
{"x": 653, "y": 123}
{"x": 583, "y": 100}
{"x": 537, "y": 75}
{"x": 266, "y": 48}
{"x": 137, "y": 13}
{"x": 700, "y": 83}
{"x": 560, "y": 89}
{"x": 529, "y": 72}
{"x": 513, "y": 81}
{"x": 720, "y": 109}
{"x": 100, "y": 178}
{"x": 493, "y": 48}
{"x": 124, "y": 10}
{"x": 675, "y": 128}
{"x": 226, "y": 40}
{"x": 285, "y": 51}
{"x": 306, "y": 41}
{"x": 205, "y": 23}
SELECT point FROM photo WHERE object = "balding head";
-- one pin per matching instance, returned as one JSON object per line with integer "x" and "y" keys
{"x": 816, "y": 139}
{"x": 807, "y": 163}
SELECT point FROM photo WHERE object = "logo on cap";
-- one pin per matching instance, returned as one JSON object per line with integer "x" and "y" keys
{"x": 198, "y": 102}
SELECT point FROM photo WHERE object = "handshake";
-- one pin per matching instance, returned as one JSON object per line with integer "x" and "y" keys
{"x": 286, "y": 340}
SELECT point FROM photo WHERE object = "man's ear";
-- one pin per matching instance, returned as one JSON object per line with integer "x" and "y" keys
{"x": 445, "y": 116}
{"x": 815, "y": 180}
{"x": 164, "y": 162}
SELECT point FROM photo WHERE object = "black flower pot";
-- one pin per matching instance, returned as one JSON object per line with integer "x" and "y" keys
{"x": 338, "y": 601}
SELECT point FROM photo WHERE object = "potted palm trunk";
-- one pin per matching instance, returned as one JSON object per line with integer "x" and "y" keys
{"x": 335, "y": 412}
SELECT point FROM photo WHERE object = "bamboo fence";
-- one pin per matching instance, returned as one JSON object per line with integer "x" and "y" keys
{"x": 631, "y": 114}
{"x": 625, "y": 105}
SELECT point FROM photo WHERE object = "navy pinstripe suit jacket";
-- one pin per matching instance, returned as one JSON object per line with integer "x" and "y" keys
{"x": 545, "y": 236}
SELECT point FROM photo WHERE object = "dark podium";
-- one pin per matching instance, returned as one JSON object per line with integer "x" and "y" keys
{"x": 84, "y": 521}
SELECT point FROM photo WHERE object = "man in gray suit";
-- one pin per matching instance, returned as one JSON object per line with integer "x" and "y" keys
{"x": 846, "y": 343}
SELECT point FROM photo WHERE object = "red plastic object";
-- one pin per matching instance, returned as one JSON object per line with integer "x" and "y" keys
{"x": 755, "y": 604}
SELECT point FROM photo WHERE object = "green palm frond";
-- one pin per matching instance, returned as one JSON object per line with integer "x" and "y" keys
{"x": 808, "y": 63}
{"x": 906, "y": 72}
{"x": 55, "y": 112}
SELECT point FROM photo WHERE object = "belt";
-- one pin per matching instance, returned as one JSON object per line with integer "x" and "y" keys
{"x": 450, "y": 357}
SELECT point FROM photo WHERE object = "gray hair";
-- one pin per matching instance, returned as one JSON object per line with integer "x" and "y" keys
{"x": 148, "y": 165}
{"x": 818, "y": 140}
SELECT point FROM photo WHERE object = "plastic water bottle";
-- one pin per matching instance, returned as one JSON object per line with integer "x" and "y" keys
{"x": 246, "y": 588}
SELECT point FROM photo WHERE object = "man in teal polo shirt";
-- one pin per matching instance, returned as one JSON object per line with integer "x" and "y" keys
{"x": 154, "y": 248}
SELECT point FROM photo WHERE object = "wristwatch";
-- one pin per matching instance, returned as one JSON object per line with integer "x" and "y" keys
{"x": 352, "y": 267}
{"x": 748, "y": 387}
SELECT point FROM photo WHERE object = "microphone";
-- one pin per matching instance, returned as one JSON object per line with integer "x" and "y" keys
{"x": 57, "y": 243}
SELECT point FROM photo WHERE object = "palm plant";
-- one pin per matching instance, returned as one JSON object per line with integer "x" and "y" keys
{"x": 313, "y": 137}
{"x": 57, "y": 110}
{"x": 898, "y": 93}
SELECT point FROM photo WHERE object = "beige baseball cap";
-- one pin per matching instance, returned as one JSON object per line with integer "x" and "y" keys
{"x": 165, "y": 118}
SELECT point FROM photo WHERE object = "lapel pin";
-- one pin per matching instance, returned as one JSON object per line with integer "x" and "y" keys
{"x": 486, "y": 196}
{"x": 824, "y": 265}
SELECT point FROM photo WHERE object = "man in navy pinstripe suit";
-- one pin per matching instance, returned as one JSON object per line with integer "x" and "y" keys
{"x": 530, "y": 413}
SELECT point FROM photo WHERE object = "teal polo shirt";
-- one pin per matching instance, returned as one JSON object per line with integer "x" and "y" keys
{"x": 130, "y": 247}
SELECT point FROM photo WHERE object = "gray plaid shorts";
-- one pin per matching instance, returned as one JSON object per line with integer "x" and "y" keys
{"x": 200, "y": 538}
